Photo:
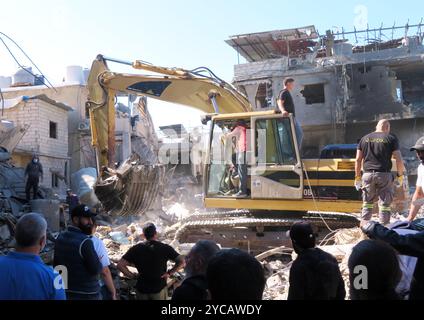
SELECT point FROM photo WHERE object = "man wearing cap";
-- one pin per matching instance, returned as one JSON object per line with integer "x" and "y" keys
{"x": 374, "y": 155}
{"x": 150, "y": 258}
{"x": 74, "y": 249}
{"x": 315, "y": 274}
{"x": 419, "y": 194}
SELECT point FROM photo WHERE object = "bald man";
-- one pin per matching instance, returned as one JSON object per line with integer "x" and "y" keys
{"x": 374, "y": 156}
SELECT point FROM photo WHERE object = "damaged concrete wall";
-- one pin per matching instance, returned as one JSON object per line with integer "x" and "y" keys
{"x": 74, "y": 96}
{"x": 53, "y": 152}
{"x": 373, "y": 92}
{"x": 356, "y": 87}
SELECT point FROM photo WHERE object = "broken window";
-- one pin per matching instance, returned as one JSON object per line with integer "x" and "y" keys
{"x": 314, "y": 93}
{"x": 55, "y": 180}
{"x": 263, "y": 97}
{"x": 365, "y": 69}
{"x": 53, "y": 130}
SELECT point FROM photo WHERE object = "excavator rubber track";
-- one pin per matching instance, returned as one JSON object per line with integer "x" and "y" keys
{"x": 236, "y": 228}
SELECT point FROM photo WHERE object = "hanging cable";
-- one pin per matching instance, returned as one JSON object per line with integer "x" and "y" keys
{"x": 19, "y": 64}
{"x": 2, "y": 102}
{"x": 313, "y": 198}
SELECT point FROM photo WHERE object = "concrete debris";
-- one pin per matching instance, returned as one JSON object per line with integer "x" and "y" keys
{"x": 276, "y": 265}
{"x": 119, "y": 237}
{"x": 348, "y": 236}
{"x": 276, "y": 280}
{"x": 4, "y": 233}
{"x": 278, "y": 269}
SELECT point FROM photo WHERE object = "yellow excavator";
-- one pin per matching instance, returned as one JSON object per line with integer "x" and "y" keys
{"x": 282, "y": 187}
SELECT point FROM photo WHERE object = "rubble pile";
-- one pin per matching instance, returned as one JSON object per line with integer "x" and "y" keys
{"x": 7, "y": 227}
{"x": 277, "y": 266}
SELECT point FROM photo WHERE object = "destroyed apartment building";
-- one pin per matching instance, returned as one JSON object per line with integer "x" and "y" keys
{"x": 344, "y": 82}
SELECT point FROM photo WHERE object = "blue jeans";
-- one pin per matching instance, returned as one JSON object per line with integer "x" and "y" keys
{"x": 242, "y": 171}
{"x": 299, "y": 133}
{"x": 287, "y": 143}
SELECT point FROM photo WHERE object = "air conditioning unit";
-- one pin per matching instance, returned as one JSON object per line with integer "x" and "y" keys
{"x": 84, "y": 126}
{"x": 295, "y": 62}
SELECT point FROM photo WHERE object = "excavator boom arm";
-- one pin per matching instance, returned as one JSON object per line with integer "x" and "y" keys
{"x": 199, "y": 89}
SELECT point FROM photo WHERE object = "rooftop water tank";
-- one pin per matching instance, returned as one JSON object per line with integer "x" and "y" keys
{"x": 39, "y": 80}
{"x": 74, "y": 74}
{"x": 5, "y": 82}
{"x": 23, "y": 76}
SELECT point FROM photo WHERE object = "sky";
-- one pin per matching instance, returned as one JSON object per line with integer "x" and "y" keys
{"x": 179, "y": 33}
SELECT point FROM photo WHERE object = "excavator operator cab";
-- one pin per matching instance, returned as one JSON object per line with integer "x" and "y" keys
{"x": 274, "y": 167}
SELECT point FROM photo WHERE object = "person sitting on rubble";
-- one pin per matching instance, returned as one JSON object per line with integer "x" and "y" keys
{"x": 409, "y": 245}
{"x": 34, "y": 173}
{"x": 150, "y": 258}
{"x": 72, "y": 200}
{"x": 195, "y": 285}
{"x": 374, "y": 271}
{"x": 75, "y": 250}
{"x": 315, "y": 274}
{"x": 23, "y": 275}
{"x": 107, "y": 287}
{"x": 233, "y": 274}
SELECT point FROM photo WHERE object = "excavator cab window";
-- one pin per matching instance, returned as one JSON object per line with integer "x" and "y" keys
{"x": 277, "y": 171}
{"x": 222, "y": 173}
{"x": 277, "y": 137}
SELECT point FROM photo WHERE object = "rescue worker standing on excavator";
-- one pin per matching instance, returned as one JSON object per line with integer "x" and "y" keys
{"x": 33, "y": 172}
{"x": 374, "y": 155}
{"x": 286, "y": 106}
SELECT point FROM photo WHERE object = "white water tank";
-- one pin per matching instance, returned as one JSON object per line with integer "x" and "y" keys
{"x": 74, "y": 74}
{"x": 5, "y": 82}
{"x": 23, "y": 76}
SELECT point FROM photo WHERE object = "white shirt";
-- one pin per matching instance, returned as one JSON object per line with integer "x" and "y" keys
{"x": 420, "y": 179}
{"x": 101, "y": 251}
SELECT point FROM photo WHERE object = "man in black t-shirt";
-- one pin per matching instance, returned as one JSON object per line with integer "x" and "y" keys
{"x": 315, "y": 274}
{"x": 150, "y": 258}
{"x": 374, "y": 155}
{"x": 286, "y": 106}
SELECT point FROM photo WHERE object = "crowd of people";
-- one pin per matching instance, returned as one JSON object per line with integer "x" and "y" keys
{"x": 211, "y": 273}
{"x": 82, "y": 265}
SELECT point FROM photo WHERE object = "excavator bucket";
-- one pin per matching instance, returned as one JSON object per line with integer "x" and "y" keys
{"x": 131, "y": 189}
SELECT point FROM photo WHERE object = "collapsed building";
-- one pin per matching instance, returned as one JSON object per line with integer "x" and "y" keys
{"x": 345, "y": 81}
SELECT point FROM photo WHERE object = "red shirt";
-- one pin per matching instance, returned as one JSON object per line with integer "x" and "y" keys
{"x": 240, "y": 133}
